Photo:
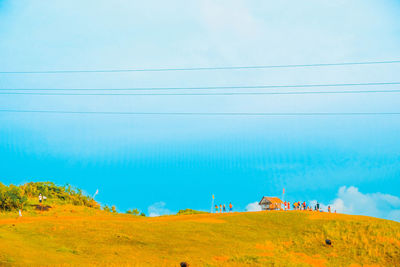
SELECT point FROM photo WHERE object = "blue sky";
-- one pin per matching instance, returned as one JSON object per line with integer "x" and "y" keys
{"x": 169, "y": 163}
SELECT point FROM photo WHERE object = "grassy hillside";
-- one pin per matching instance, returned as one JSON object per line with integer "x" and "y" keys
{"x": 26, "y": 197}
{"x": 79, "y": 235}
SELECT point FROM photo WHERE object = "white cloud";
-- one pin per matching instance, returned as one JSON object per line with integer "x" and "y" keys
{"x": 253, "y": 207}
{"x": 158, "y": 209}
{"x": 233, "y": 18}
{"x": 394, "y": 215}
{"x": 351, "y": 201}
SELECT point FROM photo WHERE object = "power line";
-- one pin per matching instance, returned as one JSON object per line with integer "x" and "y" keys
{"x": 205, "y": 94}
{"x": 203, "y": 68}
{"x": 208, "y": 87}
{"x": 207, "y": 113}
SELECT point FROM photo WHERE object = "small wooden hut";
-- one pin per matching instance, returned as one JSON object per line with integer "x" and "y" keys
{"x": 271, "y": 203}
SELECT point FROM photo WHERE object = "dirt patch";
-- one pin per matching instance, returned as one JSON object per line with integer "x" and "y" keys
{"x": 268, "y": 245}
{"x": 287, "y": 244}
{"x": 42, "y": 207}
{"x": 390, "y": 240}
{"x": 221, "y": 258}
{"x": 267, "y": 254}
{"x": 315, "y": 260}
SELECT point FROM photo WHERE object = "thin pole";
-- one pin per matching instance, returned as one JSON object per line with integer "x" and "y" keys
{"x": 212, "y": 203}
{"x": 97, "y": 191}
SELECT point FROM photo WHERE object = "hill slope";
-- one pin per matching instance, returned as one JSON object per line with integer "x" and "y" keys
{"x": 76, "y": 235}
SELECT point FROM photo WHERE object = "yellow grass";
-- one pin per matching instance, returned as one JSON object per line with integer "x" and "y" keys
{"x": 68, "y": 235}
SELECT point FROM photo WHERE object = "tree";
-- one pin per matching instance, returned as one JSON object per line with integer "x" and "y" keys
{"x": 106, "y": 208}
{"x": 12, "y": 197}
{"x": 114, "y": 209}
{"x": 133, "y": 212}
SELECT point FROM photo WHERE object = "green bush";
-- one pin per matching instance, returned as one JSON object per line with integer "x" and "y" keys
{"x": 107, "y": 208}
{"x": 16, "y": 197}
{"x": 65, "y": 193}
{"x": 114, "y": 209}
{"x": 133, "y": 212}
{"x": 190, "y": 211}
{"x": 12, "y": 197}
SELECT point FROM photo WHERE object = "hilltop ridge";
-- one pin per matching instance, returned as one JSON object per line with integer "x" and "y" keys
{"x": 80, "y": 235}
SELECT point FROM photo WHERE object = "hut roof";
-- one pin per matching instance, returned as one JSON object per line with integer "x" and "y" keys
{"x": 270, "y": 200}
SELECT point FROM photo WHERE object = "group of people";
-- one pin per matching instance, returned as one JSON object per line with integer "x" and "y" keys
{"x": 297, "y": 205}
{"x": 222, "y": 208}
{"x": 303, "y": 206}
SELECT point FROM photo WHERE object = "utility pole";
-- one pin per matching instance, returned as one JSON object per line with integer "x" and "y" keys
{"x": 212, "y": 203}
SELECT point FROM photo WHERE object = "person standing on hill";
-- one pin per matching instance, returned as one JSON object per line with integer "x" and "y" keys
{"x": 230, "y": 207}
{"x": 304, "y": 205}
{"x": 224, "y": 208}
{"x": 220, "y": 208}
{"x": 329, "y": 209}
{"x": 288, "y": 205}
{"x": 40, "y": 199}
{"x": 216, "y": 208}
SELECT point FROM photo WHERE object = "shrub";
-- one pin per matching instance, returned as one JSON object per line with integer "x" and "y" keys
{"x": 114, "y": 209}
{"x": 133, "y": 212}
{"x": 11, "y": 197}
{"x": 107, "y": 208}
{"x": 189, "y": 211}
{"x": 65, "y": 193}
{"x": 15, "y": 197}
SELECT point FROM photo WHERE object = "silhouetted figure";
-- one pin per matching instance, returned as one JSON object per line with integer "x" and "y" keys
{"x": 40, "y": 201}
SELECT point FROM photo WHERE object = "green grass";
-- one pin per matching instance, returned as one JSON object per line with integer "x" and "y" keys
{"x": 190, "y": 212}
{"x": 72, "y": 235}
